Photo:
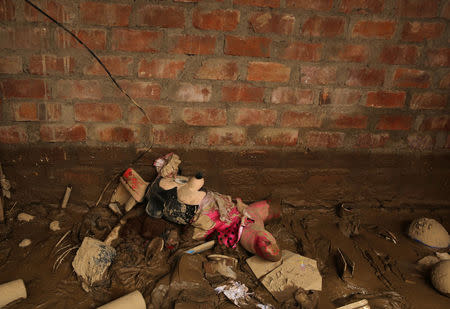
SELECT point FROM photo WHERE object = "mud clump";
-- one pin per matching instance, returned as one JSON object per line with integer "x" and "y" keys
{"x": 440, "y": 277}
{"x": 429, "y": 232}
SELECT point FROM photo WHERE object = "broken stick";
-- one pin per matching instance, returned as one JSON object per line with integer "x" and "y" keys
{"x": 66, "y": 196}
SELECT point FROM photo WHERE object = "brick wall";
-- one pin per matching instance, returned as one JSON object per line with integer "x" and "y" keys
{"x": 355, "y": 75}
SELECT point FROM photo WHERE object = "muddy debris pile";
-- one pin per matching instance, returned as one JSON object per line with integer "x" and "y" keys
{"x": 135, "y": 253}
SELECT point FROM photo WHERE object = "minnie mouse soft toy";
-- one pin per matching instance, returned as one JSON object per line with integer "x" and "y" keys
{"x": 183, "y": 200}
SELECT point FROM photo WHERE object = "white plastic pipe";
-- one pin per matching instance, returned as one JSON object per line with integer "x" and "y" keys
{"x": 134, "y": 300}
{"x": 12, "y": 291}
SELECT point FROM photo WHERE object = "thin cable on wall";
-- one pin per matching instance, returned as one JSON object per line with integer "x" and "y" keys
{"x": 93, "y": 55}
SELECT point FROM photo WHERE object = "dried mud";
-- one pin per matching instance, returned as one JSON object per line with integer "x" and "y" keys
{"x": 168, "y": 279}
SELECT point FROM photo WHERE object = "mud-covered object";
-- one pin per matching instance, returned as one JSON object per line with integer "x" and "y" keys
{"x": 429, "y": 232}
{"x": 440, "y": 277}
{"x": 164, "y": 204}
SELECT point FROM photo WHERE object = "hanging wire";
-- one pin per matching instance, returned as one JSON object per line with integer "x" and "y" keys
{"x": 150, "y": 144}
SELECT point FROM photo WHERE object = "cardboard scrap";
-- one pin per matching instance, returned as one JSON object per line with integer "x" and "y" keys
{"x": 121, "y": 195}
{"x": 92, "y": 261}
{"x": 282, "y": 279}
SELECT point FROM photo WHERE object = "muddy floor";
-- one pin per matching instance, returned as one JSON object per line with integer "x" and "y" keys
{"x": 385, "y": 272}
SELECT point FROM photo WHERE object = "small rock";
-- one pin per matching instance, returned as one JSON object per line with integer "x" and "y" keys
{"x": 54, "y": 226}
{"x": 429, "y": 232}
{"x": 25, "y": 243}
{"x": 440, "y": 277}
{"x": 25, "y": 217}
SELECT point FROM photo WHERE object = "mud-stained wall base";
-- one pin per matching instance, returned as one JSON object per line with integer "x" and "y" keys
{"x": 41, "y": 174}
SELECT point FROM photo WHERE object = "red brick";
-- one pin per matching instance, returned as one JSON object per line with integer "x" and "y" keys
{"x": 25, "y": 111}
{"x": 64, "y": 13}
{"x": 78, "y": 89}
{"x": 116, "y": 65}
{"x": 141, "y": 90}
{"x": 399, "y": 54}
{"x": 226, "y": 136}
{"x": 259, "y": 3}
{"x": 218, "y": 69}
{"x": 350, "y": 122}
{"x": 369, "y": 140}
{"x": 51, "y": 65}
{"x": 95, "y": 39}
{"x": 385, "y": 99}
{"x": 374, "y": 29}
{"x": 428, "y": 100}
{"x": 394, "y": 122}
{"x": 362, "y": 6}
{"x": 97, "y": 112}
{"x": 204, "y": 116}
{"x": 315, "y": 139}
{"x": 160, "y": 68}
{"x": 351, "y": 53}
{"x": 50, "y": 112}
{"x": 24, "y": 88}
{"x": 316, "y": 5}
{"x": 24, "y": 37}
{"x": 192, "y": 45}
{"x": 13, "y": 135}
{"x": 242, "y": 93}
{"x": 445, "y": 81}
{"x": 172, "y": 135}
{"x": 365, "y": 77}
{"x": 107, "y": 14}
{"x": 268, "y": 72}
{"x": 300, "y": 120}
{"x": 324, "y": 26}
{"x": 344, "y": 96}
{"x": 324, "y": 98}
{"x": 318, "y": 75}
{"x": 302, "y": 51}
{"x": 439, "y": 57}
{"x": 277, "y": 137}
{"x": 259, "y": 117}
{"x": 59, "y": 133}
{"x": 265, "y": 22}
{"x": 286, "y": 95}
{"x": 222, "y": 20}
{"x": 419, "y": 32}
{"x": 7, "y": 10}
{"x": 418, "y": 8}
{"x": 156, "y": 114}
{"x": 193, "y": 93}
{"x": 446, "y": 14}
{"x": 136, "y": 40}
{"x": 161, "y": 16}
{"x": 250, "y": 46}
{"x": 117, "y": 134}
{"x": 420, "y": 142}
{"x": 410, "y": 78}
{"x": 10, "y": 64}
{"x": 436, "y": 123}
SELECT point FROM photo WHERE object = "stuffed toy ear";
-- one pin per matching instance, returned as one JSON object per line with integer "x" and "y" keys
{"x": 189, "y": 193}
